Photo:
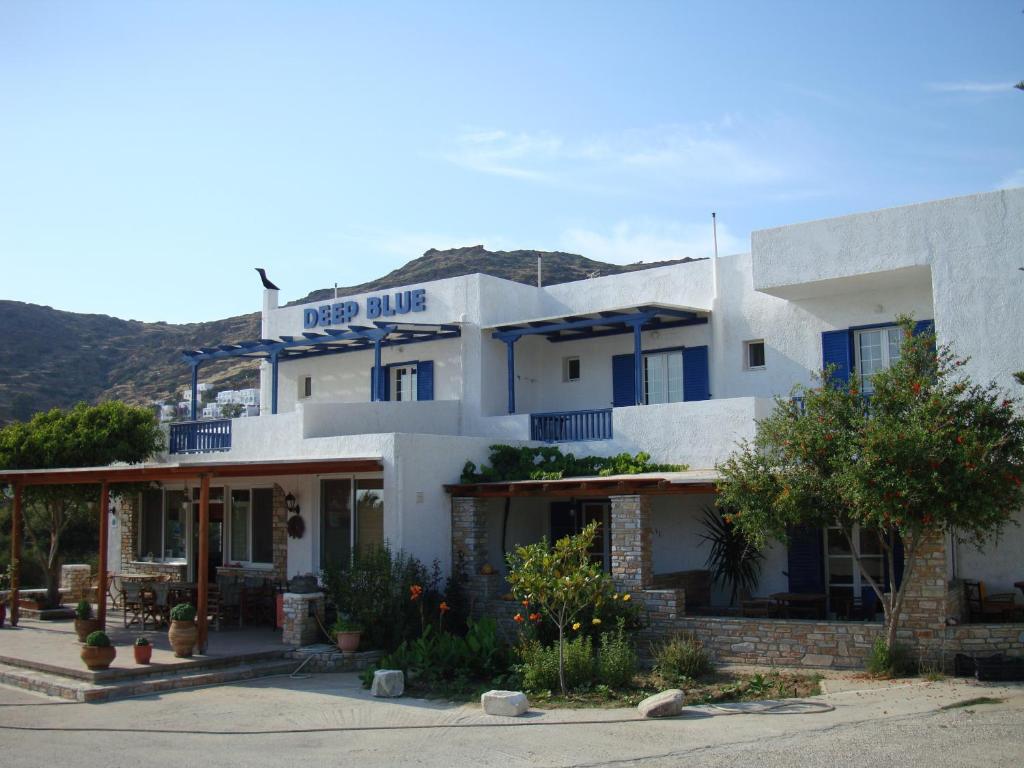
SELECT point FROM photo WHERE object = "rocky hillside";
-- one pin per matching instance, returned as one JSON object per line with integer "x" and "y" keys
{"x": 53, "y": 358}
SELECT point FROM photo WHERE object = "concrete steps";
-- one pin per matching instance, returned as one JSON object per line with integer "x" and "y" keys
{"x": 76, "y": 689}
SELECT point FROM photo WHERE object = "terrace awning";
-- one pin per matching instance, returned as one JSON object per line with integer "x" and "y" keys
{"x": 332, "y": 341}
{"x": 649, "y": 317}
{"x": 648, "y": 483}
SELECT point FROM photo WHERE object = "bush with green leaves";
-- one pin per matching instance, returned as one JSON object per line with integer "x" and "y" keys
{"x": 549, "y": 463}
{"x": 183, "y": 612}
{"x": 540, "y": 670}
{"x": 83, "y": 610}
{"x": 681, "y": 657}
{"x": 617, "y": 660}
{"x": 98, "y": 639}
{"x": 141, "y": 641}
{"x": 884, "y": 661}
{"x": 734, "y": 560}
{"x": 439, "y": 656}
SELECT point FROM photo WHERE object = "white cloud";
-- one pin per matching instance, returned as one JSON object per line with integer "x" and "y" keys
{"x": 970, "y": 87}
{"x": 636, "y": 240}
{"x": 1015, "y": 179}
{"x": 725, "y": 152}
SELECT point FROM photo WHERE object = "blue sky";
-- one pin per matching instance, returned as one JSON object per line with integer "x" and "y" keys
{"x": 151, "y": 154}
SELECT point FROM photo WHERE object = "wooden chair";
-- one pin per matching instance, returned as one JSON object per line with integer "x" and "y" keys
{"x": 984, "y": 608}
{"x": 133, "y": 604}
{"x": 115, "y": 590}
{"x": 159, "y": 603}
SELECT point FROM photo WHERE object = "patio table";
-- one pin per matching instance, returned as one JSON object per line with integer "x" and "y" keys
{"x": 803, "y": 605}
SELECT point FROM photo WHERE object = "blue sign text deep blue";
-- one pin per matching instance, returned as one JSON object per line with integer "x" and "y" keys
{"x": 388, "y": 305}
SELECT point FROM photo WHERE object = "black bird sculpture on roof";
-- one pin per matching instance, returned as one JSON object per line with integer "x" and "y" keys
{"x": 266, "y": 280}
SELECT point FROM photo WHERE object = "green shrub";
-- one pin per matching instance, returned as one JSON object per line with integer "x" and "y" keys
{"x": 681, "y": 656}
{"x": 183, "y": 612}
{"x": 889, "y": 662}
{"x": 617, "y": 661}
{"x": 98, "y": 639}
{"x": 83, "y": 610}
{"x": 539, "y": 664}
{"x": 343, "y": 624}
{"x": 141, "y": 641}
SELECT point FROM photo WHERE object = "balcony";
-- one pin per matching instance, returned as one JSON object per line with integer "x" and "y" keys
{"x": 571, "y": 426}
{"x": 200, "y": 436}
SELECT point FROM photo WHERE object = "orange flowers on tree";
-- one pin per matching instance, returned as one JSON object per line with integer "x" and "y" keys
{"x": 415, "y": 592}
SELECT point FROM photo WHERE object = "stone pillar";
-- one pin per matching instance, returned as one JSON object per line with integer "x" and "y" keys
{"x": 923, "y": 618}
{"x": 301, "y": 615}
{"x": 469, "y": 551}
{"x": 75, "y": 581}
{"x": 280, "y": 535}
{"x": 632, "y": 568}
{"x": 128, "y": 523}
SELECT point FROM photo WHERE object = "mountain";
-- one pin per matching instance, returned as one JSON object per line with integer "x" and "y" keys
{"x": 55, "y": 358}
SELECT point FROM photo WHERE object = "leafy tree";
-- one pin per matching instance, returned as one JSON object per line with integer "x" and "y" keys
{"x": 734, "y": 561}
{"x": 560, "y": 582}
{"x": 84, "y": 436}
{"x": 231, "y": 410}
{"x": 931, "y": 452}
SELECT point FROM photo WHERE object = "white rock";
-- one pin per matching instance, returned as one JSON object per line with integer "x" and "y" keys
{"x": 388, "y": 683}
{"x": 506, "y": 703}
{"x": 665, "y": 704}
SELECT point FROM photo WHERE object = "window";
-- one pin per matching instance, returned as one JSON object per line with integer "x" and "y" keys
{"x": 162, "y": 521}
{"x": 403, "y": 382}
{"x": 876, "y": 349}
{"x": 570, "y": 369}
{"x": 663, "y": 377}
{"x": 305, "y": 387}
{"x": 845, "y": 580}
{"x": 753, "y": 355}
{"x": 252, "y": 526}
{"x": 340, "y": 534}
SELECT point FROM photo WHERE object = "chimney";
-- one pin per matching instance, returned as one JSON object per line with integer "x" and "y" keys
{"x": 540, "y": 282}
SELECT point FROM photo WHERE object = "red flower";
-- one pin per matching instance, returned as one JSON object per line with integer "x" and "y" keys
{"x": 444, "y": 607}
{"x": 916, "y": 386}
{"x": 415, "y": 592}
{"x": 534, "y": 617}
{"x": 518, "y": 618}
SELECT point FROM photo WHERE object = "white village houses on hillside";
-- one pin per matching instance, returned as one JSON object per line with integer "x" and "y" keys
{"x": 371, "y": 404}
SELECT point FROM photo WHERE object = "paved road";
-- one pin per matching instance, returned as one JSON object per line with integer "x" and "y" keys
{"x": 898, "y": 725}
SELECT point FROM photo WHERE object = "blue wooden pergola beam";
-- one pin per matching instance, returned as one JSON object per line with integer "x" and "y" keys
{"x": 618, "y": 331}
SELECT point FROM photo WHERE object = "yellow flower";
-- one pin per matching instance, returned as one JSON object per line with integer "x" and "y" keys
{"x": 595, "y": 622}
{"x": 615, "y": 596}
{"x": 626, "y": 598}
{"x": 576, "y": 626}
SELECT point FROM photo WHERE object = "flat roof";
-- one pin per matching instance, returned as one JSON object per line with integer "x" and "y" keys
{"x": 646, "y": 483}
{"x": 140, "y": 473}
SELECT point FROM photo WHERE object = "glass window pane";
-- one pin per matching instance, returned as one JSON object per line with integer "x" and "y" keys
{"x": 262, "y": 525}
{"x": 872, "y": 566}
{"x": 895, "y": 339}
{"x": 369, "y": 513}
{"x": 151, "y": 522}
{"x": 335, "y": 523}
{"x": 755, "y": 354}
{"x": 837, "y": 543}
{"x": 869, "y": 544}
{"x": 674, "y": 364}
{"x": 840, "y": 570}
{"x": 240, "y": 507}
{"x": 174, "y": 526}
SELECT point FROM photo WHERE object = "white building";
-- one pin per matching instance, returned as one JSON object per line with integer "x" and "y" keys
{"x": 249, "y": 396}
{"x": 372, "y": 404}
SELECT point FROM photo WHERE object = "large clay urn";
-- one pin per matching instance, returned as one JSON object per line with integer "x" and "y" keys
{"x": 98, "y": 657}
{"x": 182, "y": 637}
{"x": 348, "y": 642}
{"x": 85, "y": 627}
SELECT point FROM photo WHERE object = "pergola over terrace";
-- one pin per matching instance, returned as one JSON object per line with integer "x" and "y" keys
{"x": 332, "y": 341}
{"x": 203, "y": 473}
{"x": 613, "y": 322}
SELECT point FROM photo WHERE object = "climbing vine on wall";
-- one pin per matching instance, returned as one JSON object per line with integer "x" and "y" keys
{"x": 509, "y": 463}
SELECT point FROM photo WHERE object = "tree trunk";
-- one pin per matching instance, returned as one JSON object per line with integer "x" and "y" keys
{"x": 53, "y": 573}
{"x": 561, "y": 658}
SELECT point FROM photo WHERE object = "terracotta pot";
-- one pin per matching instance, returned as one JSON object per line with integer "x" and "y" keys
{"x": 348, "y": 642}
{"x": 98, "y": 658}
{"x": 143, "y": 653}
{"x": 182, "y": 636}
{"x": 85, "y": 627}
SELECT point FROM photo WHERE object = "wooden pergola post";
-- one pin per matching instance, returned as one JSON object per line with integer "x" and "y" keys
{"x": 203, "y": 570}
{"x": 101, "y": 582}
{"x": 16, "y": 528}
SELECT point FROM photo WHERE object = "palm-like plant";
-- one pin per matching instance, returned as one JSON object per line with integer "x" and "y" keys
{"x": 733, "y": 560}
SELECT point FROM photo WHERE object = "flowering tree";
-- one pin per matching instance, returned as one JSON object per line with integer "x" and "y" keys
{"x": 561, "y": 581}
{"x": 931, "y": 452}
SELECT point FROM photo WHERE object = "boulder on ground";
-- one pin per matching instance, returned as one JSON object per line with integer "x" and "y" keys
{"x": 507, "y": 703}
{"x": 388, "y": 683}
{"x": 665, "y": 704}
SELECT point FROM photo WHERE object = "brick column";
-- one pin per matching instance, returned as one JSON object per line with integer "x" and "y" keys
{"x": 632, "y": 568}
{"x": 128, "y": 524}
{"x": 923, "y": 618}
{"x": 301, "y": 612}
{"x": 469, "y": 550}
{"x": 280, "y": 535}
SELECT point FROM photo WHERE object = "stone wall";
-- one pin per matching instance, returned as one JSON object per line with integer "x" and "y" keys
{"x": 128, "y": 524}
{"x": 631, "y": 544}
{"x": 984, "y": 639}
{"x": 923, "y": 618}
{"x": 303, "y": 615}
{"x": 75, "y": 581}
{"x": 280, "y": 536}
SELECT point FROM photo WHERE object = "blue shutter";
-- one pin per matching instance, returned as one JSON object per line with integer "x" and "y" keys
{"x": 425, "y": 380}
{"x": 837, "y": 350}
{"x": 806, "y": 561}
{"x": 696, "y": 382}
{"x": 623, "y": 392}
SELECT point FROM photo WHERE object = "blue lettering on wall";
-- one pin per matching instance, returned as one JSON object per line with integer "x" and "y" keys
{"x": 343, "y": 312}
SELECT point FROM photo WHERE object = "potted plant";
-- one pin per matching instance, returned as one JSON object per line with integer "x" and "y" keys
{"x": 182, "y": 634}
{"x": 85, "y": 624}
{"x": 347, "y": 634}
{"x": 143, "y": 650}
{"x": 98, "y": 652}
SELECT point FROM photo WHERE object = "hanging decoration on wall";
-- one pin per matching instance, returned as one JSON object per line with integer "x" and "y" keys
{"x": 296, "y": 525}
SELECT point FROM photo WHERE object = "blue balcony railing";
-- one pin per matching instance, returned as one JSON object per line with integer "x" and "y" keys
{"x": 570, "y": 426}
{"x": 201, "y": 436}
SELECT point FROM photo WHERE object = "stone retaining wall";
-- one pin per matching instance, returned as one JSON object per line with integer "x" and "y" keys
{"x": 75, "y": 581}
